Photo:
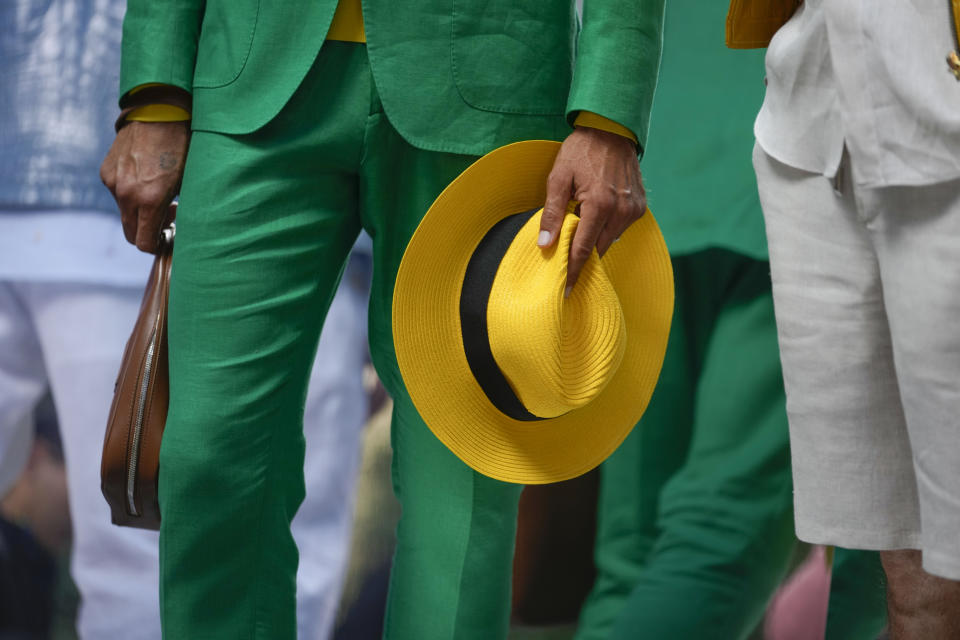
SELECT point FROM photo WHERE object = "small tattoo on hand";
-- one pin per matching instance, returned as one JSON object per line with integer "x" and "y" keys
{"x": 167, "y": 161}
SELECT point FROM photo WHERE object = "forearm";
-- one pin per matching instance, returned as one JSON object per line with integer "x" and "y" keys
{"x": 618, "y": 58}
{"x": 160, "y": 43}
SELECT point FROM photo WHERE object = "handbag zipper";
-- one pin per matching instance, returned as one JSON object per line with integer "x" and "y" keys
{"x": 134, "y": 460}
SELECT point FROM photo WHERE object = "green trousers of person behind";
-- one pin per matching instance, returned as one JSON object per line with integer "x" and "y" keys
{"x": 695, "y": 514}
{"x": 857, "y": 607}
{"x": 266, "y": 221}
{"x": 695, "y": 509}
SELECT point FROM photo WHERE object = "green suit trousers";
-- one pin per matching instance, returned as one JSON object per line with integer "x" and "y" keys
{"x": 695, "y": 522}
{"x": 266, "y": 221}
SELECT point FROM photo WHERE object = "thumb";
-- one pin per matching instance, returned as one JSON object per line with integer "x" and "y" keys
{"x": 559, "y": 190}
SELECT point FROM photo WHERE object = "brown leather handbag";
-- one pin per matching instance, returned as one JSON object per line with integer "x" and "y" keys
{"x": 131, "y": 447}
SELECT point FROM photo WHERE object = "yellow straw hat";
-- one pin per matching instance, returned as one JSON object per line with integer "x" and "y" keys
{"x": 519, "y": 382}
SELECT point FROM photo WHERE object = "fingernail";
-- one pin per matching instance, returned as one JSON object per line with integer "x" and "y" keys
{"x": 566, "y": 292}
{"x": 544, "y": 238}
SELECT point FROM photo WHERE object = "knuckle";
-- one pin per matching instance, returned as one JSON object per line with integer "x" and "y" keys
{"x": 579, "y": 252}
{"x": 550, "y": 216}
{"x": 146, "y": 229}
{"x": 125, "y": 190}
{"x": 605, "y": 201}
{"x": 153, "y": 197}
{"x": 626, "y": 209}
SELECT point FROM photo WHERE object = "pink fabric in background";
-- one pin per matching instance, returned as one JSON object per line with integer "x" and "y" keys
{"x": 798, "y": 610}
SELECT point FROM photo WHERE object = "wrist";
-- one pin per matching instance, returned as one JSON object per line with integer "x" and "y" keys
{"x": 612, "y": 140}
{"x": 593, "y": 120}
{"x": 123, "y": 121}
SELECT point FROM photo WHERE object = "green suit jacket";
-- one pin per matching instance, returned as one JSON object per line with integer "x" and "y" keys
{"x": 460, "y": 76}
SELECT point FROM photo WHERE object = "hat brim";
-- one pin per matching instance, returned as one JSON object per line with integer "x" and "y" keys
{"x": 429, "y": 346}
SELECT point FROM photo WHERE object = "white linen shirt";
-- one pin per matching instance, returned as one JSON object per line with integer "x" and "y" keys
{"x": 870, "y": 75}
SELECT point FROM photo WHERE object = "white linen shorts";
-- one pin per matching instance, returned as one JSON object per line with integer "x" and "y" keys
{"x": 866, "y": 287}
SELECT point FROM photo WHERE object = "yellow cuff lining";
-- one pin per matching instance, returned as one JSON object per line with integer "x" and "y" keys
{"x": 144, "y": 86}
{"x": 347, "y": 25}
{"x": 159, "y": 113}
{"x": 596, "y": 121}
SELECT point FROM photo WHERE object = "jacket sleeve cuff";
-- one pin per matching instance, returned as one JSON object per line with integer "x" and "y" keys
{"x": 157, "y": 93}
{"x": 154, "y": 102}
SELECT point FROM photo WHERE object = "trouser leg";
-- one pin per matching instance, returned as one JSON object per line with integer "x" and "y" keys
{"x": 854, "y": 481}
{"x": 451, "y": 573}
{"x": 724, "y": 520}
{"x": 336, "y": 409}
{"x": 916, "y": 231}
{"x": 452, "y": 568}
{"x": 725, "y": 517}
{"x": 23, "y": 380}
{"x": 632, "y": 478}
{"x": 857, "y": 609}
{"x": 82, "y": 328}
{"x": 264, "y": 226}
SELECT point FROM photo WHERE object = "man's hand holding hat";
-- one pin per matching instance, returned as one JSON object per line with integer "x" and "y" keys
{"x": 599, "y": 170}
{"x": 521, "y": 382}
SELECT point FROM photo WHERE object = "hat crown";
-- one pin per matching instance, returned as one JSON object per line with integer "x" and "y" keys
{"x": 556, "y": 353}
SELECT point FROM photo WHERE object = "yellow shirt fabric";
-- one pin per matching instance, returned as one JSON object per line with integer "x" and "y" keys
{"x": 157, "y": 112}
{"x": 347, "y": 26}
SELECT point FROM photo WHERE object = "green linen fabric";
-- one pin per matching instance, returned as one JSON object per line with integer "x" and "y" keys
{"x": 857, "y": 609}
{"x": 265, "y": 223}
{"x": 697, "y": 168}
{"x": 695, "y": 518}
{"x": 460, "y": 76}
